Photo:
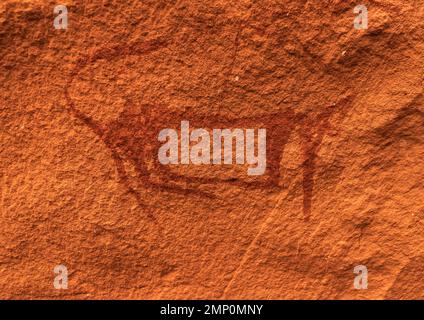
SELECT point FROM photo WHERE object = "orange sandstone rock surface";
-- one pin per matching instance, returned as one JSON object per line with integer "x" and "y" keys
{"x": 81, "y": 184}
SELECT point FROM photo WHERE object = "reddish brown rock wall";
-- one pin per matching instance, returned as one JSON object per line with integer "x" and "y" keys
{"x": 81, "y": 185}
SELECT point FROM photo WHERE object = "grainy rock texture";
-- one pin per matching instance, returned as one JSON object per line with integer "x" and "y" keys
{"x": 81, "y": 184}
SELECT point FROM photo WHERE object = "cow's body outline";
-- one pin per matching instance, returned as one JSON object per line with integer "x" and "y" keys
{"x": 294, "y": 122}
